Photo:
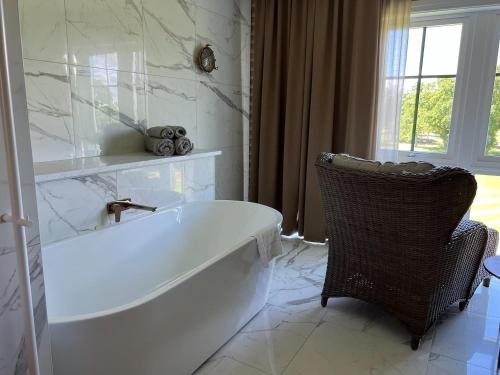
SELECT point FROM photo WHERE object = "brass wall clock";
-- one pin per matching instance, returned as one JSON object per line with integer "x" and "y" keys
{"x": 206, "y": 59}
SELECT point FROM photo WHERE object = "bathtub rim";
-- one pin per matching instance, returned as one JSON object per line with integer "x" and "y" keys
{"x": 164, "y": 287}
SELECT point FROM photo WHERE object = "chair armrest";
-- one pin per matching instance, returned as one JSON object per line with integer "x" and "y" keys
{"x": 464, "y": 229}
{"x": 466, "y": 251}
{"x": 491, "y": 246}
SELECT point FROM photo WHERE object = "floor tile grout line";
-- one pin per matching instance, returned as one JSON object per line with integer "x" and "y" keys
{"x": 460, "y": 361}
{"x": 304, "y": 343}
{"x": 247, "y": 364}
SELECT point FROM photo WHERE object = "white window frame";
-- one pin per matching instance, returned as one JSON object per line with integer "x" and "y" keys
{"x": 473, "y": 86}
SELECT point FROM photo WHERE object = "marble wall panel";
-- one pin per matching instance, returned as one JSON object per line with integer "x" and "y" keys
{"x": 222, "y": 112}
{"x": 99, "y": 73}
{"x": 109, "y": 111}
{"x": 169, "y": 38}
{"x": 49, "y": 108}
{"x": 229, "y": 174}
{"x": 230, "y": 40}
{"x": 43, "y": 28}
{"x": 74, "y": 206}
{"x": 239, "y": 10}
{"x": 171, "y": 101}
{"x": 105, "y": 34}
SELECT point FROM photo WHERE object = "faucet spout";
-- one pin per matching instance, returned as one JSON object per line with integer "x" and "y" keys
{"x": 116, "y": 207}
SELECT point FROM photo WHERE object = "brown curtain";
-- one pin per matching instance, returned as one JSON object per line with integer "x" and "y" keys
{"x": 315, "y": 74}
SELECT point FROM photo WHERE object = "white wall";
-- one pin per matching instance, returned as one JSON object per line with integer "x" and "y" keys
{"x": 74, "y": 206}
{"x": 98, "y": 73}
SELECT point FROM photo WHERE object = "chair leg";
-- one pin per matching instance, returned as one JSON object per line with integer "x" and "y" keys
{"x": 324, "y": 300}
{"x": 486, "y": 282}
{"x": 415, "y": 342}
{"x": 462, "y": 305}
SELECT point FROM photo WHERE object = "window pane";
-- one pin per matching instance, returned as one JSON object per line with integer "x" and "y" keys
{"x": 442, "y": 47}
{"x": 407, "y": 113}
{"x": 498, "y": 61}
{"x": 486, "y": 206}
{"x": 434, "y": 114}
{"x": 493, "y": 140}
{"x": 413, "y": 54}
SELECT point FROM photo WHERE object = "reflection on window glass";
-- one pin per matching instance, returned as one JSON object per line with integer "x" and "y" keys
{"x": 493, "y": 140}
{"x": 429, "y": 88}
{"x": 486, "y": 206}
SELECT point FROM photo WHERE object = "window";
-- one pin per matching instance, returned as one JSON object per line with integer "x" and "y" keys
{"x": 450, "y": 111}
{"x": 429, "y": 88}
{"x": 493, "y": 140}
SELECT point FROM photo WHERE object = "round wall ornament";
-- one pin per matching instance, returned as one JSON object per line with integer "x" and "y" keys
{"x": 206, "y": 59}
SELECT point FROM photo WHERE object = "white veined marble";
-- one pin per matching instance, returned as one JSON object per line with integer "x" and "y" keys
{"x": 49, "y": 108}
{"x": 295, "y": 335}
{"x": 168, "y": 185}
{"x": 62, "y": 169}
{"x": 109, "y": 111}
{"x": 229, "y": 174}
{"x": 172, "y": 101}
{"x": 43, "y": 30}
{"x": 132, "y": 64}
{"x": 235, "y": 9}
{"x": 169, "y": 38}
{"x": 230, "y": 40}
{"x": 74, "y": 206}
{"x": 105, "y": 34}
{"x": 222, "y": 114}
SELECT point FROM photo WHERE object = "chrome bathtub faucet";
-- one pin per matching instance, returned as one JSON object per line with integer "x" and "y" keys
{"x": 116, "y": 207}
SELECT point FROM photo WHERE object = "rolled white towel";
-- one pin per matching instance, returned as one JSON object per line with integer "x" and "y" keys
{"x": 183, "y": 145}
{"x": 161, "y": 132}
{"x": 269, "y": 243}
{"x": 159, "y": 146}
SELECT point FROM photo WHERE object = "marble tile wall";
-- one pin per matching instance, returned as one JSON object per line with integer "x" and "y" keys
{"x": 12, "y": 351}
{"x": 99, "y": 73}
{"x": 63, "y": 212}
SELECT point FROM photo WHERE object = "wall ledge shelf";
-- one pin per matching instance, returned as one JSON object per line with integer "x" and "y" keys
{"x": 71, "y": 168}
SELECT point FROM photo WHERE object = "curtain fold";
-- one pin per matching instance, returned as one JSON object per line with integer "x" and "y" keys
{"x": 394, "y": 43}
{"x": 315, "y": 86}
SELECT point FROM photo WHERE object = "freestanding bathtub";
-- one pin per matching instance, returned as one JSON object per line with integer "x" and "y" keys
{"x": 159, "y": 294}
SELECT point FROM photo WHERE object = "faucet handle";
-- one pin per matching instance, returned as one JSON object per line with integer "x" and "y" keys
{"x": 125, "y": 200}
{"x": 117, "y": 210}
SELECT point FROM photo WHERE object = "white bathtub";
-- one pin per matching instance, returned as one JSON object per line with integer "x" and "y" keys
{"x": 156, "y": 295}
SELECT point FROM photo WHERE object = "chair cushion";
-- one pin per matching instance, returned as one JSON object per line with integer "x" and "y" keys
{"x": 412, "y": 167}
{"x": 347, "y": 161}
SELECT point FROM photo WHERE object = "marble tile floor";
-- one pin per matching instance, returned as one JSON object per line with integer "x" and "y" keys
{"x": 294, "y": 335}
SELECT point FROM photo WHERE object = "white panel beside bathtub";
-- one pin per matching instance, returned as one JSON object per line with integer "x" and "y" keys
{"x": 73, "y": 206}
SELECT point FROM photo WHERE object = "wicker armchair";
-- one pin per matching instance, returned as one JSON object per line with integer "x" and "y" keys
{"x": 398, "y": 240}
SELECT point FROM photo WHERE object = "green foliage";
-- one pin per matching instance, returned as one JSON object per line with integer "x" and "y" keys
{"x": 434, "y": 115}
{"x": 493, "y": 141}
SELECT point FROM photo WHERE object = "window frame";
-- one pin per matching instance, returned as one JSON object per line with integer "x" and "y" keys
{"x": 452, "y": 149}
{"x": 483, "y": 163}
{"x": 473, "y": 88}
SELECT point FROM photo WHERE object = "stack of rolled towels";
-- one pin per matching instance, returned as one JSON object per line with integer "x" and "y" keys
{"x": 168, "y": 141}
